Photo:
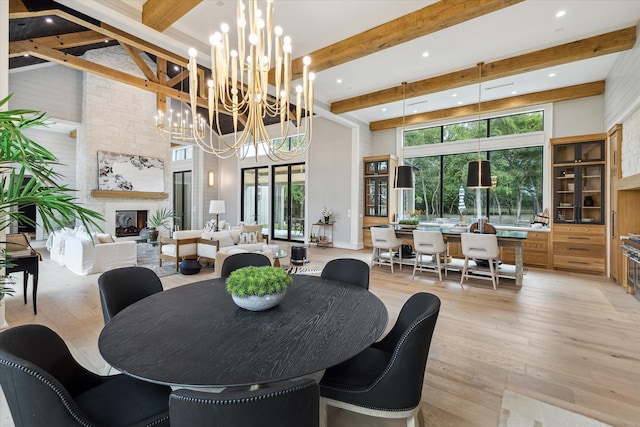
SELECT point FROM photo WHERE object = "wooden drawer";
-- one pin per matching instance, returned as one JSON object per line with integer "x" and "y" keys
{"x": 578, "y": 250}
{"x": 568, "y": 262}
{"x": 536, "y": 259}
{"x": 579, "y": 233}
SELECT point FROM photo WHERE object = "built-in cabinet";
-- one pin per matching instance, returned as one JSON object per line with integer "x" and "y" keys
{"x": 380, "y": 198}
{"x": 579, "y": 200}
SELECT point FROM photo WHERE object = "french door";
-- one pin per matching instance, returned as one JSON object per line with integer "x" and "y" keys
{"x": 288, "y": 219}
{"x": 182, "y": 199}
{"x": 255, "y": 196}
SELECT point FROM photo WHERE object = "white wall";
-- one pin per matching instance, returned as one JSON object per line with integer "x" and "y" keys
{"x": 54, "y": 89}
{"x": 578, "y": 117}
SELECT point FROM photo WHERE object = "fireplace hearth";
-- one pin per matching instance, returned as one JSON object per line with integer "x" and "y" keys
{"x": 130, "y": 222}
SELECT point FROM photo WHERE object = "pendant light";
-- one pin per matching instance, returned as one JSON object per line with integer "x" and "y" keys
{"x": 479, "y": 171}
{"x": 404, "y": 174}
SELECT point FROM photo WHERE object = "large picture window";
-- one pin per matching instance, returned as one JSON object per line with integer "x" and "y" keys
{"x": 440, "y": 155}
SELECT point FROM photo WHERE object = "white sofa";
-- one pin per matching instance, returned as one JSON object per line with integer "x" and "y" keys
{"x": 201, "y": 244}
{"x": 84, "y": 254}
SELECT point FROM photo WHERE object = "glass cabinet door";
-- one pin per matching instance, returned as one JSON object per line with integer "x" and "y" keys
{"x": 376, "y": 196}
{"x": 579, "y": 152}
{"x": 565, "y": 194}
{"x": 591, "y": 192}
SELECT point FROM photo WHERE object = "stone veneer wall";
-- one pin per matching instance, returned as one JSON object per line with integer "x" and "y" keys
{"x": 119, "y": 118}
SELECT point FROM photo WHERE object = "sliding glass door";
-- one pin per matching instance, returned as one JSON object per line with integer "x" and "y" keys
{"x": 255, "y": 196}
{"x": 289, "y": 184}
{"x": 182, "y": 197}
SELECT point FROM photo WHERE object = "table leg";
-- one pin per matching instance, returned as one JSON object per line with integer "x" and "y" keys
{"x": 25, "y": 277}
{"x": 519, "y": 264}
{"x": 35, "y": 293}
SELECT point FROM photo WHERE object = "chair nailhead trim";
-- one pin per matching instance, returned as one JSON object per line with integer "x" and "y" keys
{"x": 52, "y": 386}
{"x": 243, "y": 400}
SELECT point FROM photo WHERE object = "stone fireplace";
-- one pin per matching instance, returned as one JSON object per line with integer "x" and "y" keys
{"x": 129, "y": 223}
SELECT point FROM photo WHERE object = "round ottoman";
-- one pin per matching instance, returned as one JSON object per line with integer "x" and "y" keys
{"x": 190, "y": 266}
{"x": 298, "y": 254}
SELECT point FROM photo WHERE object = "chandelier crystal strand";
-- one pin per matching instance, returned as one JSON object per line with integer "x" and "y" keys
{"x": 239, "y": 87}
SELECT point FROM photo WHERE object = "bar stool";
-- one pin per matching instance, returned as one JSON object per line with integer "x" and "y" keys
{"x": 480, "y": 246}
{"x": 384, "y": 238}
{"x": 429, "y": 243}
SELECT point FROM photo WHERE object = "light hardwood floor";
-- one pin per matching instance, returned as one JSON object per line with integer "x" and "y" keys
{"x": 569, "y": 339}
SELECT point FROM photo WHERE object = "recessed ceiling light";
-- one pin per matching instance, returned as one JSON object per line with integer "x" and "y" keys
{"x": 514, "y": 92}
{"x": 384, "y": 109}
{"x": 49, "y": 20}
{"x": 106, "y": 41}
{"x": 552, "y": 75}
{"x": 425, "y": 54}
{"x": 459, "y": 102}
{"x": 415, "y": 111}
{"x": 175, "y": 67}
{"x": 561, "y": 13}
{"x": 26, "y": 55}
{"x": 454, "y": 95}
{"x": 339, "y": 81}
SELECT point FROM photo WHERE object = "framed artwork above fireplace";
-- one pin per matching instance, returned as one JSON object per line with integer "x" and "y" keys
{"x": 130, "y": 172}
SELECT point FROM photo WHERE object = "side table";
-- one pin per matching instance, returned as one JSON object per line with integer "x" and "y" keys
{"x": 324, "y": 236}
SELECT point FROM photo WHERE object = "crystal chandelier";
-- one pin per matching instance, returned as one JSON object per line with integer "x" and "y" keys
{"x": 239, "y": 87}
{"x": 178, "y": 125}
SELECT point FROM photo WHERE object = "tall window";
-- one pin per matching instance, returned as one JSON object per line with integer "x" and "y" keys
{"x": 440, "y": 185}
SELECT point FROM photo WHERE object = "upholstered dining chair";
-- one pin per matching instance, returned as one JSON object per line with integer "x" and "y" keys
{"x": 385, "y": 380}
{"x": 45, "y": 386}
{"x": 244, "y": 259}
{"x": 384, "y": 239}
{"x": 480, "y": 246}
{"x": 429, "y": 243}
{"x": 285, "y": 404}
{"x": 486, "y": 228}
{"x": 121, "y": 287}
{"x": 347, "y": 270}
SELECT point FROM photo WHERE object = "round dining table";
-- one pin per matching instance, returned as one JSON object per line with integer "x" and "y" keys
{"x": 196, "y": 336}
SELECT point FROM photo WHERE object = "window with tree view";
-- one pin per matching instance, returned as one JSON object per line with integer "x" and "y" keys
{"x": 440, "y": 179}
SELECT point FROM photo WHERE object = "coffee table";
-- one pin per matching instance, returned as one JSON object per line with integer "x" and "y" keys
{"x": 280, "y": 253}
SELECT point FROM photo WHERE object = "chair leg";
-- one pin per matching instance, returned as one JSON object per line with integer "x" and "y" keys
{"x": 437, "y": 255}
{"x": 391, "y": 259}
{"x": 415, "y": 265}
{"x": 464, "y": 269}
{"x": 493, "y": 273}
{"x": 323, "y": 413}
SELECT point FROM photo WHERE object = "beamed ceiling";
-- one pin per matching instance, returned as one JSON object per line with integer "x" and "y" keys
{"x": 370, "y": 46}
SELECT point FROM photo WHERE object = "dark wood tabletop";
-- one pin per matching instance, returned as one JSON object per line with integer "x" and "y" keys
{"x": 195, "y": 335}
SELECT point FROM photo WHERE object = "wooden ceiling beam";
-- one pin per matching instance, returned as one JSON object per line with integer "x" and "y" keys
{"x": 110, "y": 32}
{"x": 69, "y": 40}
{"x": 178, "y": 78}
{"x": 161, "y": 75}
{"x": 604, "y": 44}
{"x": 53, "y": 55}
{"x": 136, "y": 56}
{"x": 436, "y": 17}
{"x": 554, "y": 95}
{"x": 17, "y": 6}
{"x": 161, "y": 14}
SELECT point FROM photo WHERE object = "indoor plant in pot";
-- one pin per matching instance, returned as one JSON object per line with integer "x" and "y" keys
{"x": 258, "y": 288}
{"x": 160, "y": 218}
{"x": 28, "y": 178}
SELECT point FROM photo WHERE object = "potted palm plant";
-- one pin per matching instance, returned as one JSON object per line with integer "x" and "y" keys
{"x": 22, "y": 158}
{"x": 258, "y": 288}
{"x": 160, "y": 218}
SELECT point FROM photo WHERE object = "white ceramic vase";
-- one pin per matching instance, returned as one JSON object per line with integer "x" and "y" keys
{"x": 256, "y": 303}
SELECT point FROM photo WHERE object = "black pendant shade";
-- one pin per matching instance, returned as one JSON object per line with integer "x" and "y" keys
{"x": 479, "y": 174}
{"x": 404, "y": 178}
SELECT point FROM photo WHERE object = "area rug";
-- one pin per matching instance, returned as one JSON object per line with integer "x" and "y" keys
{"x": 148, "y": 256}
{"x": 294, "y": 269}
{"x": 523, "y": 411}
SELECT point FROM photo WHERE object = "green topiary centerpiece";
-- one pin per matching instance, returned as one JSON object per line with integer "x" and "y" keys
{"x": 258, "y": 288}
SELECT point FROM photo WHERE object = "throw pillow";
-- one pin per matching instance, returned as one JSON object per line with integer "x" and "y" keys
{"x": 103, "y": 238}
{"x": 223, "y": 237}
{"x": 210, "y": 225}
{"x": 253, "y": 229}
{"x": 248, "y": 238}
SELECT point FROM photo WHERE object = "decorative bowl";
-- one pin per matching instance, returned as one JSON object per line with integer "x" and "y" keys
{"x": 258, "y": 303}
